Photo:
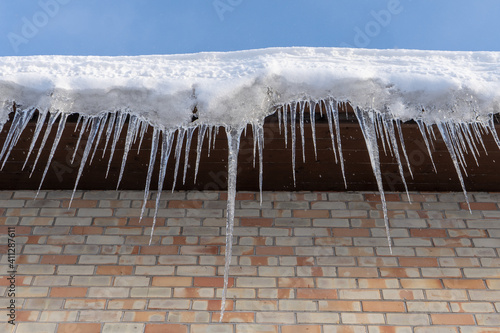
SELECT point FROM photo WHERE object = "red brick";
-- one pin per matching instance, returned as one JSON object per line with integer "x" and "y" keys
{"x": 398, "y": 272}
{"x": 239, "y": 196}
{"x": 78, "y": 328}
{"x": 452, "y": 319}
{"x": 418, "y": 262}
{"x": 163, "y": 328}
{"x": 256, "y": 222}
{"x": 185, "y": 204}
{"x": 463, "y": 284}
{"x": 376, "y": 197}
{"x": 114, "y": 270}
{"x": 172, "y": 281}
{"x": 87, "y": 230}
{"x": 479, "y": 206}
{"x": 68, "y": 292}
{"x": 217, "y": 282}
{"x": 421, "y": 284}
{"x": 428, "y": 233}
{"x": 317, "y": 294}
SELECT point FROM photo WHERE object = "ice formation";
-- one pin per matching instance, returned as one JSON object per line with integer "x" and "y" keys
{"x": 455, "y": 93}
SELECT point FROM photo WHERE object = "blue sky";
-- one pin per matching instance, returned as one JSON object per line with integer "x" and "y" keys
{"x": 135, "y": 27}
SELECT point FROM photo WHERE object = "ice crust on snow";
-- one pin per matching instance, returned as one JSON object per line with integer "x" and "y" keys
{"x": 453, "y": 93}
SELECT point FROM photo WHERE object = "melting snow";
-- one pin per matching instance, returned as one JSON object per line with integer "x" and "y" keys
{"x": 456, "y": 93}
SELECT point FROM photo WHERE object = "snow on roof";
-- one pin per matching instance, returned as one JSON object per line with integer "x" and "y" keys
{"x": 235, "y": 87}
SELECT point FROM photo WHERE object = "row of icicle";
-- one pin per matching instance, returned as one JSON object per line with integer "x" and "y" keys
{"x": 460, "y": 139}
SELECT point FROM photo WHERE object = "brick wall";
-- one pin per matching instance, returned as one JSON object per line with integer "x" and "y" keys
{"x": 303, "y": 262}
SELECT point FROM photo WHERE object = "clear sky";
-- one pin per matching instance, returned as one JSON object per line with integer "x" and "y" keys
{"x": 135, "y": 27}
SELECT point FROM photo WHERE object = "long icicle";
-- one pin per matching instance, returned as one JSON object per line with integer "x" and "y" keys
{"x": 60, "y": 129}
{"x": 367, "y": 124}
{"x": 166, "y": 148}
{"x": 152, "y": 159}
{"x": 38, "y": 129}
{"x": 233, "y": 142}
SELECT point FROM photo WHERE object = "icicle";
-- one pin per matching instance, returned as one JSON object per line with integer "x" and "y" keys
{"x": 312, "y": 117}
{"x": 422, "y": 127}
{"x": 120, "y": 121}
{"x": 403, "y": 147}
{"x": 285, "y": 125}
{"x": 94, "y": 129}
{"x": 254, "y": 139}
{"x": 178, "y": 149}
{"x": 210, "y": 129}
{"x": 21, "y": 119}
{"x": 446, "y": 138}
{"x": 279, "y": 119}
{"x": 491, "y": 127}
{"x": 187, "y": 148}
{"x": 111, "y": 123}
{"x": 60, "y": 129}
{"x": 233, "y": 143}
{"x": 391, "y": 134}
{"x": 293, "y": 120}
{"x": 152, "y": 159}
{"x": 201, "y": 136}
{"x": 335, "y": 113}
{"x": 52, "y": 120}
{"x": 99, "y": 135}
{"x": 166, "y": 148}
{"x": 260, "y": 141}
{"x": 38, "y": 129}
{"x": 330, "y": 105}
{"x": 478, "y": 135}
{"x": 302, "y": 106}
{"x": 131, "y": 132}
{"x": 367, "y": 125}
{"x": 144, "y": 129}
{"x": 83, "y": 128}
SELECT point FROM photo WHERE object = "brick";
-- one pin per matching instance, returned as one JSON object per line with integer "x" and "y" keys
{"x": 362, "y": 318}
{"x": 407, "y": 319}
{"x": 316, "y": 294}
{"x": 301, "y": 329}
{"x": 251, "y": 328}
{"x": 122, "y": 328}
{"x": 421, "y": 284}
{"x": 161, "y": 328}
{"x": 357, "y": 272}
{"x": 488, "y": 319}
{"x": 36, "y": 327}
{"x": 79, "y": 328}
{"x": 339, "y": 306}
{"x": 452, "y": 319}
{"x": 383, "y": 306}
{"x": 188, "y": 317}
{"x": 87, "y": 304}
{"x": 211, "y": 328}
{"x": 275, "y": 317}
{"x": 418, "y": 262}
{"x": 100, "y": 316}
{"x": 427, "y": 307}
{"x": 144, "y": 316}
{"x": 235, "y": 317}
{"x": 250, "y": 305}
{"x": 474, "y": 307}
{"x": 463, "y": 284}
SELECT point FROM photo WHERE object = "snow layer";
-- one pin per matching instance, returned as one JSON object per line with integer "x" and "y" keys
{"x": 238, "y": 87}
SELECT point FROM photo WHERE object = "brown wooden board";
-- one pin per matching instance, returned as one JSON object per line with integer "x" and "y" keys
{"x": 321, "y": 174}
